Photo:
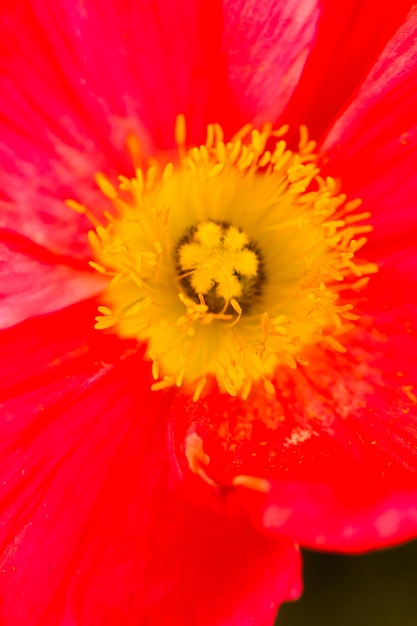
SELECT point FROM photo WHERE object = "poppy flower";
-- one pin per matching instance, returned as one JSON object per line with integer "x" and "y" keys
{"x": 249, "y": 383}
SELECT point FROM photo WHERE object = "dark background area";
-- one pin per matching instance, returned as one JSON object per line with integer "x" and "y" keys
{"x": 377, "y": 589}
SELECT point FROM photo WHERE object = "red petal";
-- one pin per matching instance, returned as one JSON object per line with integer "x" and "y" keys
{"x": 266, "y": 46}
{"x": 76, "y": 78}
{"x": 350, "y": 35}
{"x": 372, "y": 146}
{"x": 338, "y": 443}
{"x": 33, "y": 281}
{"x": 96, "y": 527}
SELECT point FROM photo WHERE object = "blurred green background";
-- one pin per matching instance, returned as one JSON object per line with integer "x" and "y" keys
{"x": 377, "y": 589}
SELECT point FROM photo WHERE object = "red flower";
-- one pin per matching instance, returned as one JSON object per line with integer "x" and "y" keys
{"x": 122, "y": 505}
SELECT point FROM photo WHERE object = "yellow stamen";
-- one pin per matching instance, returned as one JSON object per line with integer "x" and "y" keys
{"x": 231, "y": 261}
{"x": 197, "y": 458}
{"x": 252, "y": 482}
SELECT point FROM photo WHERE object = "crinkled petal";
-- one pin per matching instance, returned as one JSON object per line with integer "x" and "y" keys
{"x": 373, "y": 145}
{"x": 337, "y": 445}
{"x": 266, "y": 45}
{"x": 33, "y": 281}
{"x": 95, "y": 526}
{"x": 77, "y": 78}
{"x": 350, "y": 36}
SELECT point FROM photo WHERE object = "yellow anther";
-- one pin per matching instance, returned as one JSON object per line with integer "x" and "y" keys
{"x": 180, "y": 130}
{"x": 133, "y": 146}
{"x": 105, "y": 186}
{"x": 76, "y": 206}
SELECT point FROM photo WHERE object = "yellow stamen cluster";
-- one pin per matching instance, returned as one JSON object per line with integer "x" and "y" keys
{"x": 230, "y": 261}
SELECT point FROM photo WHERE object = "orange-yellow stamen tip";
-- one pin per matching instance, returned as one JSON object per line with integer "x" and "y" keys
{"x": 252, "y": 482}
{"x": 180, "y": 130}
{"x": 231, "y": 260}
{"x": 196, "y": 457}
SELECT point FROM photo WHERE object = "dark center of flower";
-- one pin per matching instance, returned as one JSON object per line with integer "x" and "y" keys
{"x": 219, "y": 262}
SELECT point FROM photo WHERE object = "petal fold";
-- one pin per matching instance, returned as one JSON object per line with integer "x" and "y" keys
{"x": 350, "y": 36}
{"x": 33, "y": 281}
{"x": 372, "y": 145}
{"x": 266, "y": 45}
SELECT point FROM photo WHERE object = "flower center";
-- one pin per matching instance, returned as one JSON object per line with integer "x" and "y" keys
{"x": 219, "y": 262}
{"x": 231, "y": 261}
